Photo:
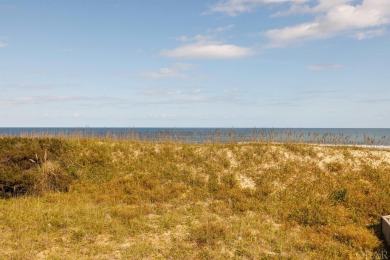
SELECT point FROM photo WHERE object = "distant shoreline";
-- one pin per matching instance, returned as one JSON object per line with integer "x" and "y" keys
{"x": 378, "y": 147}
{"x": 378, "y": 138}
{"x": 368, "y": 146}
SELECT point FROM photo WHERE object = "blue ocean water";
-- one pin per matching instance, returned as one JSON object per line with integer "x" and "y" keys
{"x": 368, "y": 136}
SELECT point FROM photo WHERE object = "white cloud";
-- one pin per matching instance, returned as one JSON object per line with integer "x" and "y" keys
{"x": 25, "y": 100}
{"x": 235, "y": 7}
{"x": 204, "y": 47}
{"x": 183, "y": 66}
{"x": 322, "y": 6}
{"x": 318, "y": 67}
{"x": 3, "y": 42}
{"x": 41, "y": 100}
{"x": 221, "y": 29}
{"x": 174, "y": 97}
{"x": 163, "y": 116}
{"x": 333, "y": 18}
{"x": 176, "y": 71}
{"x": 164, "y": 73}
{"x": 208, "y": 51}
{"x": 369, "y": 34}
{"x": 197, "y": 91}
{"x": 360, "y": 19}
{"x": 22, "y": 86}
{"x": 153, "y": 91}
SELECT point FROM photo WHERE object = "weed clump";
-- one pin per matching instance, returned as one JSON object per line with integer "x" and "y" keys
{"x": 339, "y": 195}
{"x": 335, "y": 167}
{"x": 31, "y": 166}
{"x": 51, "y": 177}
{"x": 208, "y": 234}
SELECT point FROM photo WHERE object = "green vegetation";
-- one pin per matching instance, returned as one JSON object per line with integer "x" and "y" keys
{"x": 71, "y": 198}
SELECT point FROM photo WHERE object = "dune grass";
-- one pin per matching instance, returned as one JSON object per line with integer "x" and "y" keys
{"x": 71, "y": 198}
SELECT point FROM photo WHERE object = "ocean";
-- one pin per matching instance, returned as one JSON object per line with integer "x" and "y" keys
{"x": 360, "y": 136}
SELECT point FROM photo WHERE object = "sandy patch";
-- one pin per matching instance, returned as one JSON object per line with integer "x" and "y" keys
{"x": 245, "y": 182}
{"x": 230, "y": 156}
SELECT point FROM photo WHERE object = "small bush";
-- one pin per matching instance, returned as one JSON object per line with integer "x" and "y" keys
{"x": 51, "y": 177}
{"x": 313, "y": 214}
{"x": 335, "y": 167}
{"x": 32, "y": 165}
{"x": 213, "y": 184}
{"x": 208, "y": 234}
{"x": 339, "y": 195}
{"x": 356, "y": 237}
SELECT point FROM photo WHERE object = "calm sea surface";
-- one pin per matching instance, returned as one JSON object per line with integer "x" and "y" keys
{"x": 368, "y": 136}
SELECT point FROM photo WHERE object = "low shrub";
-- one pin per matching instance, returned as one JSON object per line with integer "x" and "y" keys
{"x": 208, "y": 234}
{"x": 29, "y": 166}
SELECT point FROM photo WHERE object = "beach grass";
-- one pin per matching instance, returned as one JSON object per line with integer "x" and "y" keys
{"x": 108, "y": 198}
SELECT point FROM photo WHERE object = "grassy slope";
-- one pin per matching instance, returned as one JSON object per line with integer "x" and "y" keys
{"x": 190, "y": 201}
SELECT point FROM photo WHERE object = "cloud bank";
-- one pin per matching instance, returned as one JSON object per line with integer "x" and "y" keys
{"x": 331, "y": 18}
{"x": 359, "y": 19}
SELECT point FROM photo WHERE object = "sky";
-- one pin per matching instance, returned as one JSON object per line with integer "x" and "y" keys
{"x": 186, "y": 63}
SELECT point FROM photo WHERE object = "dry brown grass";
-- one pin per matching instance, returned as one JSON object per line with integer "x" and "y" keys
{"x": 133, "y": 199}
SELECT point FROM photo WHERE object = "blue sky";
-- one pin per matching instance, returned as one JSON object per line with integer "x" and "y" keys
{"x": 171, "y": 63}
